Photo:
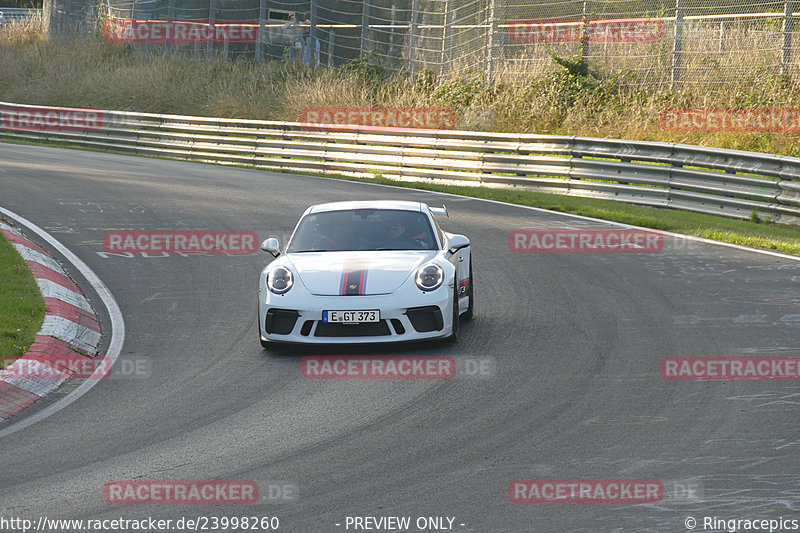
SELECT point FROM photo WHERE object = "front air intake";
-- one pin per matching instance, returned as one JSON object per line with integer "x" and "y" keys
{"x": 281, "y": 321}
{"x": 428, "y": 318}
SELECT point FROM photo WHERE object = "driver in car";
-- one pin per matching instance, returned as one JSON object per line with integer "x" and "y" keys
{"x": 400, "y": 237}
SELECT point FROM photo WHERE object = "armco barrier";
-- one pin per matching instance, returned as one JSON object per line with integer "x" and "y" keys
{"x": 709, "y": 180}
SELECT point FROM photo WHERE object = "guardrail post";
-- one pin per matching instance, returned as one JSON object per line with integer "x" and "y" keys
{"x": 212, "y": 15}
{"x": 788, "y": 9}
{"x": 364, "y": 28}
{"x": 678, "y": 48}
{"x": 262, "y": 34}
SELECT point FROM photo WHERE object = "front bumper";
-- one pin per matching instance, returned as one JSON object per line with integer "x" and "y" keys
{"x": 410, "y": 316}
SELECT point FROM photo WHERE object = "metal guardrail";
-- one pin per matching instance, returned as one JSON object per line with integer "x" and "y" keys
{"x": 15, "y": 13}
{"x": 709, "y": 180}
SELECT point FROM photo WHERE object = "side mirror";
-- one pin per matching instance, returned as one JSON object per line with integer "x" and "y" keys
{"x": 271, "y": 246}
{"x": 457, "y": 242}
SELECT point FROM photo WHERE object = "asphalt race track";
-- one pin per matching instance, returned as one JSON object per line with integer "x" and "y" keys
{"x": 572, "y": 343}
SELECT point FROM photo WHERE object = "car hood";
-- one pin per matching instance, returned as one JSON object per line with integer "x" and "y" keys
{"x": 356, "y": 273}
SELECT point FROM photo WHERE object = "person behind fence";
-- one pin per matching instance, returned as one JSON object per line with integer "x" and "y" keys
{"x": 310, "y": 48}
{"x": 294, "y": 37}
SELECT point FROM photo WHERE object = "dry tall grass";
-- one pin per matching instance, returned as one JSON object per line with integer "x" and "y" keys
{"x": 93, "y": 73}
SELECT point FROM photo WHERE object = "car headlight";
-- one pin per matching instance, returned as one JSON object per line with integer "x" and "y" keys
{"x": 280, "y": 280}
{"x": 429, "y": 277}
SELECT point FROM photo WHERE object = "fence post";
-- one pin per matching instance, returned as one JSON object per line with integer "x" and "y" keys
{"x": 412, "y": 38}
{"x": 133, "y": 19}
{"x": 491, "y": 44}
{"x": 364, "y": 28}
{"x": 585, "y": 33}
{"x": 788, "y": 8}
{"x": 212, "y": 15}
{"x": 262, "y": 34}
{"x": 445, "y": 34}
{"x": 451, "y": 34}
{"x": 678, "y": 48}
{"x": 67, "y": 16}
{"x": 331, "y": 46}
{"x": 391, "y": 33}
{"x": 92, "y": 16}
{"x": 312, "y": 34}
{"x": 171, "y": 18}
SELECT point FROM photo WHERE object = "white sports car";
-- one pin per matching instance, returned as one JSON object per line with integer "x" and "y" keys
{"x": 381, "y": 271}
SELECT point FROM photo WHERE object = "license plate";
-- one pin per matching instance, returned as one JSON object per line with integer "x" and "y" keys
{"x": 351, "y": 317}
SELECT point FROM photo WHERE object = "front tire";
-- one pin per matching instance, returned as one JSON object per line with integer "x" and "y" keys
{"x": 454, "y": 328}
{"x": 470, "y": 312}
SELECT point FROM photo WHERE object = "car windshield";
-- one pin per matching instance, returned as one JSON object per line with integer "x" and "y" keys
{"x": 363, "y": 229}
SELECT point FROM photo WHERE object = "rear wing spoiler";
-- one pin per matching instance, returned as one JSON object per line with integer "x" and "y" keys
{"x": 440, "y": 211}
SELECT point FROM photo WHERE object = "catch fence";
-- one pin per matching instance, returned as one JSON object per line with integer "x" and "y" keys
{"x": 679, "y": 43}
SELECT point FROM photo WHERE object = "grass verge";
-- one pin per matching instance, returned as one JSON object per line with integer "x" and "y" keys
{"x": 22, "y": 307}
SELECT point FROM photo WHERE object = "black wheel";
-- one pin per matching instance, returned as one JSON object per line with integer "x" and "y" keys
{"x": 454, "y": 333}
{"x": 470, "y": 312}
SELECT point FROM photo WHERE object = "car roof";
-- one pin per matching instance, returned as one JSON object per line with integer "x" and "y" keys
{"x": 400, "y": 205}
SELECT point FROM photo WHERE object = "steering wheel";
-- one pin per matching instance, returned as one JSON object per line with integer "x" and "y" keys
{"x": 324, "y": 242}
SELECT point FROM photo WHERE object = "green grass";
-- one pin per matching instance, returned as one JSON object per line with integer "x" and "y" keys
{"x": 21, "y": 304}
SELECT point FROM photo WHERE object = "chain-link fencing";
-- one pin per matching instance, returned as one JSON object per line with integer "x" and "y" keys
{"x": 679, "y": 43}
